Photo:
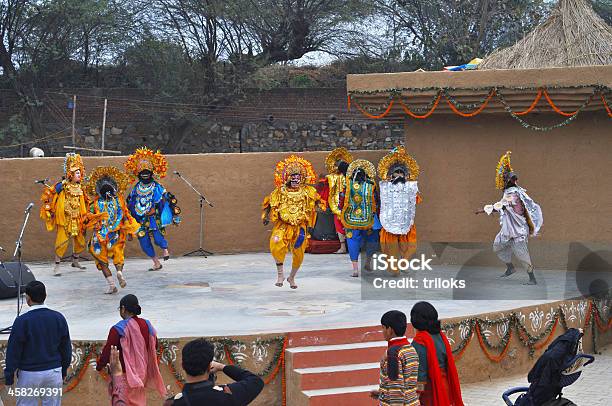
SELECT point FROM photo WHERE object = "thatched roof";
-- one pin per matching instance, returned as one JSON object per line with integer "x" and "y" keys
{"x": 573, "y": 35}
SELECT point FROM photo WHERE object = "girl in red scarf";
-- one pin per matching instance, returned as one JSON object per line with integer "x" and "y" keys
{"x": 438, "y": 382}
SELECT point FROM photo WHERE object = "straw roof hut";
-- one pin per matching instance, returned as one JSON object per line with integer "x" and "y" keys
{"x": 573, "y": 35}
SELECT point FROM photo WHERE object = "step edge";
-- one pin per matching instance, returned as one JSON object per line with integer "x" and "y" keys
{"x": 337, "y": 347}
{"x": 338, "y": 391}
{"x": 341, "y": 368}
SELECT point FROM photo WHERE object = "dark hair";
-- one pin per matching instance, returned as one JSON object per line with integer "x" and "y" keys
{"x": 37, "y": 291}
{"x": 197, "y": 356}
{"x": 130, "y": 304}
{"x": 343, "y": 167}
{"x": 424, "y": 317}
{"x": 396, "y": 320}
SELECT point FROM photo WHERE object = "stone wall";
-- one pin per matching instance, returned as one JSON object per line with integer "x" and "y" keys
{"x": 262, "y": 121}
{"x": 221, "y": 136}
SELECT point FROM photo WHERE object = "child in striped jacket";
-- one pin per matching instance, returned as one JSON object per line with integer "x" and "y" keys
{"x": 399, "y": 368}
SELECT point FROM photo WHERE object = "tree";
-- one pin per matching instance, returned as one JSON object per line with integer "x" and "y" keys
{"x": 604, "y": 9}
{"x": 445, "y": 32}
{"x": 289, "y": 29}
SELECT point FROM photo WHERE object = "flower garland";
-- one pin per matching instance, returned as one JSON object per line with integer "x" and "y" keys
{"x": 92, "y": 349}
{"x": 271, "y": 369}
{"x": 276, "y": 365}
{"x": 78, "y": 372}
{"x": 474, "y": 325}
{"x": 164, "y": 349}
{"x": 455, "y": 106}
{"x": 605, "y": 102}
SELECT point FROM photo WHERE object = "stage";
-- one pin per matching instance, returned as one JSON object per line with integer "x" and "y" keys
{"x": 226, "y": 295}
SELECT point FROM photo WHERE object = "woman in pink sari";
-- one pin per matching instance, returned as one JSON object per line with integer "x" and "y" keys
{"x": 136, "y": 340}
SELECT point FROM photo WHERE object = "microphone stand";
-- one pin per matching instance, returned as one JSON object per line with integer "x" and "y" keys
{"x": 200, "y": 251}
{"x": 17, "y": 254}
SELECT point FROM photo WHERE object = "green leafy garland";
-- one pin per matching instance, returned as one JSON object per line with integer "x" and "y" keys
{"x": 400, "y": 91}
{"x": 228, "y": 343}
{"x": 513, "y": 321}
{"x": 546, "y": 128}
{"x": 396, "y": 94}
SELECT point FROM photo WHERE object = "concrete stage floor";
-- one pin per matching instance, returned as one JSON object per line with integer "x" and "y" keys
{"x": 235, "y": 295}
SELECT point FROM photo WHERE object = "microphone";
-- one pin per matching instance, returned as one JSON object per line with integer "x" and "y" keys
{"x": 27, "y": 210}
{"x": 41, "y": 181}
{"x": 177, "y": 173}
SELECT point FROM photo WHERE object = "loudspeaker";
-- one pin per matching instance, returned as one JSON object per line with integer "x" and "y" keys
{"x": 9, "y": 278}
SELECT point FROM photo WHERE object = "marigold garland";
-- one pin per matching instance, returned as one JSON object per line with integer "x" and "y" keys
{"x": 505, "y": 340}
{"x": 593, "y": 318}
{"x": 396, "y": 95}
{"x": 605, "y": 103}
{"x": 475, "y": 112}
{"x": 429, "y": 113}
{"x": 533, "y": 105}
{"x": 556, "y": 109}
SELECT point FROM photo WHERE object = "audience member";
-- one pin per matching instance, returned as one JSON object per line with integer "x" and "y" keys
{"x": 39, "y": 351}
{"x": 399, "y": 367}
{"x": 200, "y": 388}
{"x": 438, "y": 379}
{"x": 136, "y": 341}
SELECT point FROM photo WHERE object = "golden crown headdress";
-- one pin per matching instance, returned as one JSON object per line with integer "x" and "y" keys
{"x": 120, "y": 178}
{"x": 291, "y": 165}
{"x": 398, "y": 159}
{"x": 367, "y": 166}
{"x": 72, "y": 162}
{"x": 338, "y": 154}
{"x": 503, "y": 168}
{"x": 145, "y": 158}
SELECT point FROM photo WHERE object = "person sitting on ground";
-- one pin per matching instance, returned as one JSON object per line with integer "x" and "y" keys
{"x": 200, "y": 388}
{"x": 438, "y": 380}
{"x": 399, "y": 367}
{"x": 136, "y": 340}
{"x": 39, "y": 349}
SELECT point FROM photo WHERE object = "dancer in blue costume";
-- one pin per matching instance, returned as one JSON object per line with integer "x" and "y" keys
{"x": 359, "y": 214}
{"x": 149, "y": 202}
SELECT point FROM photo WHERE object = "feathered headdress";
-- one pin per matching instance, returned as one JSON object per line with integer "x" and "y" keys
{"x": 109, "y": 174}
{"x": 332, "y": 159}
{"x": 291, "y": 165}
{"x": 503, "y": 168}
{"x": 398, "y": 159}
{"x": 367, "y": 166}
{"x": 145, "y": 158}
{"x": 72, "y": 162}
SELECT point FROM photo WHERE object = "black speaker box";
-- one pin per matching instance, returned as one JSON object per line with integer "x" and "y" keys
{"x": 9, "y": 278}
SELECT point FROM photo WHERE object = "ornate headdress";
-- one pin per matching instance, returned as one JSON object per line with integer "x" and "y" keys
{"x": 72, "y": 162}
{"x": 398, "y": 159}
{"x": 106, "y": 175}
{"x": 338, "y": 154}
{"x": 145, "y": 158}
{"x": 503, "y": 169}
{"x": 292, "y": 165}
{"x": 367, "y": 166}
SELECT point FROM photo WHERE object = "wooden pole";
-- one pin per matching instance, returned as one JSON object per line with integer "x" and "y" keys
{"x": 110, "y": 151}
{"x": 104, "y": 125}
{"x": 74, "y": 120}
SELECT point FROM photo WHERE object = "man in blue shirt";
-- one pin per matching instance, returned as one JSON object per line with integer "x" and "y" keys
{"x": 38, "y": 352}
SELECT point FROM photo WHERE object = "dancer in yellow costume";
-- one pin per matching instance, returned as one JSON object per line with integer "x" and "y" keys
{"x": 337, "y": 163}
{"x": 63, "y": 207}
{"x": 292, "y": 207}
{"x": 110, "y": 220}
{"x": 399, "y": 195}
